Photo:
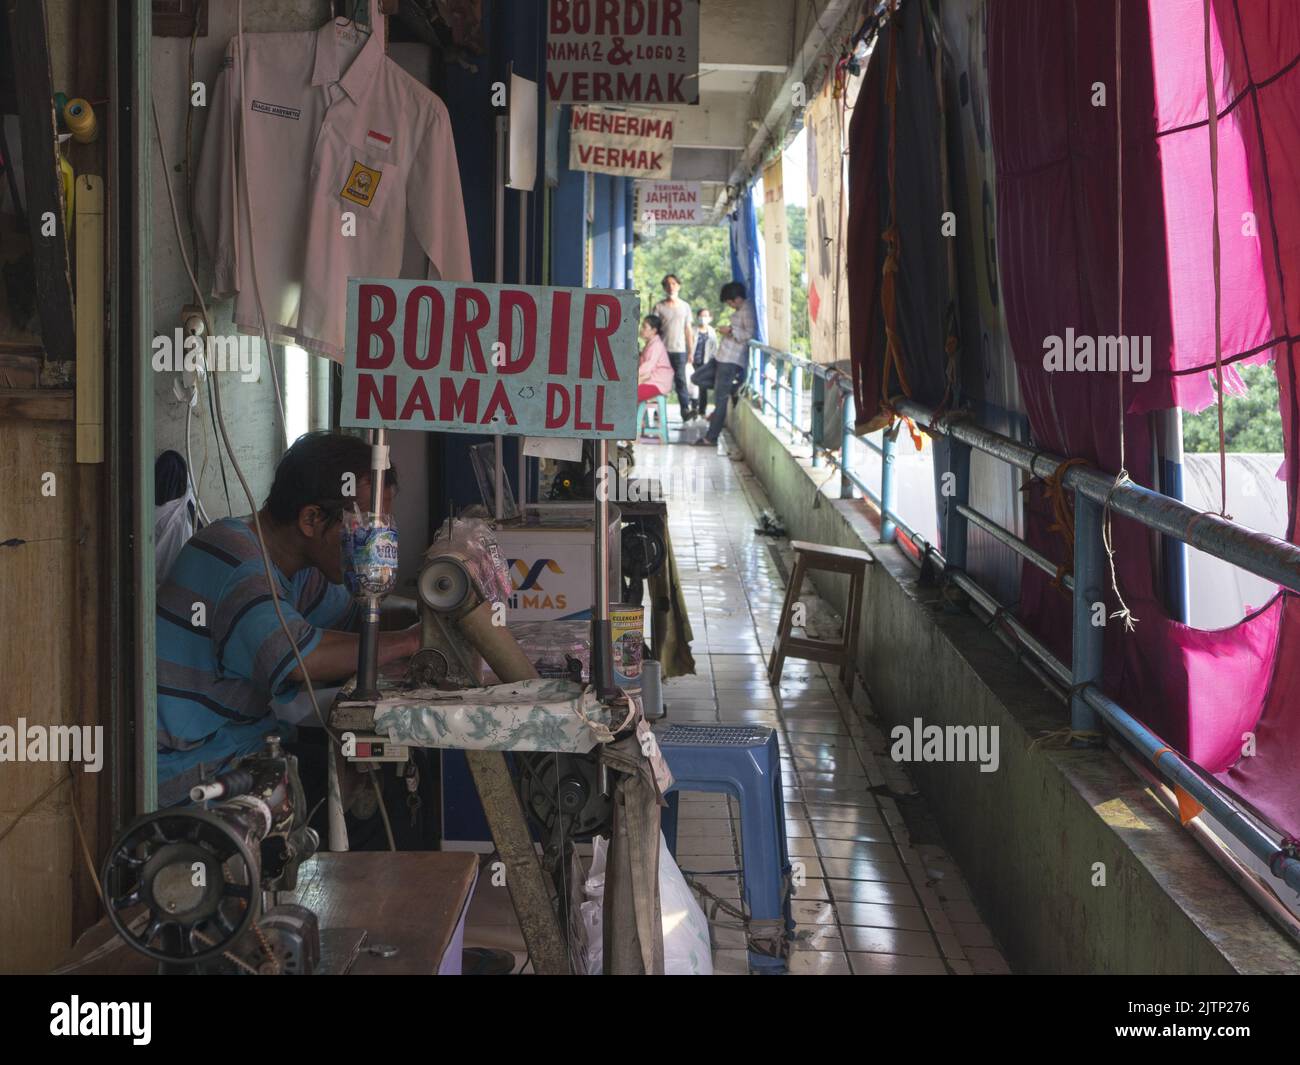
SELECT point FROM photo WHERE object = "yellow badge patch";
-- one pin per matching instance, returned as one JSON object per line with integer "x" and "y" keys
{"x": 361, "y": 184}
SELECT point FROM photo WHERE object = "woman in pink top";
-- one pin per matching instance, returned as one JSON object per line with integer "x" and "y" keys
{"x": 654, "y": 374}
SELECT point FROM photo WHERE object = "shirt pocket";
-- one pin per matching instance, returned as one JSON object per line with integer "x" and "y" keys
{"x": 367, "y": 183}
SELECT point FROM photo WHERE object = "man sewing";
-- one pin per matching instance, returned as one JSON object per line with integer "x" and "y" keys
{"x": 225, "y": 661}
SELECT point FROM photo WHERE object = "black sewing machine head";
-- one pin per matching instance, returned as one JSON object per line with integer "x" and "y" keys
{"x": 185, "y": 885}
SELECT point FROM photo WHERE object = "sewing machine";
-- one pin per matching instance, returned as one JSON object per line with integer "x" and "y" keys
{"x": 189, "y": 886}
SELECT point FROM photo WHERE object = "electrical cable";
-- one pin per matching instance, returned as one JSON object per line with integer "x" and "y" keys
{"x": 267, "y": 566}
{"x": 221, "y": 460}
{"x": 189, "y": 463}
{"x": 252, "y": 243}
{"x": 383, "y": 810}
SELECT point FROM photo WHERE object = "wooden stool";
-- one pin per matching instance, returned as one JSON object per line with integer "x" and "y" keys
{"x": 830, "y": 560}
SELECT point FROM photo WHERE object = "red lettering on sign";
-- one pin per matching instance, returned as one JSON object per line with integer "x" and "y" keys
{"x": 655, "y": 18}
{"x": 578, "y": 423}
{"x": 465, "y": 329}
{"x": 595, "y": 338}
{"x": 411, "y": 331}
{"x": 462, "y": 405}
{"x": 513, "y": 301}
{"x": 385, "y": 400}
{"x": 600, "y": 410}
{"x": 418, "y": 399}
{"x": 369, "y": 326}
{"x": 556, "y": 417}
{"x": 499, "y": 401}
{"x": 672, "y": 25}
{"x": 607, "y": 18}
{"x": 559, "y": 361}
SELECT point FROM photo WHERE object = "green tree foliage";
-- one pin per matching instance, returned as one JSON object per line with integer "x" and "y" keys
{"x": 797, "y": 230}
{"x": 701, "y": 257}
{"x": 1251, "y": 423}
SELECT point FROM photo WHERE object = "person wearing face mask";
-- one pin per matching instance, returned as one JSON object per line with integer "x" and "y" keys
{"x": 679, "y": 338}
{"x": 706, "y": 350}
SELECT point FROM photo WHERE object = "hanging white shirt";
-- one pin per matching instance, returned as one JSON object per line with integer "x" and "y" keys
{"x": 344, "y": 155}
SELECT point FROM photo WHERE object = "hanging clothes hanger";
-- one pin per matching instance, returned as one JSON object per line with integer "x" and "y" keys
{"x": 352, "y": 18}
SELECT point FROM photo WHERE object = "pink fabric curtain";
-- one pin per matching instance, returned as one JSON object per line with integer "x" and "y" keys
{"x": 1057, "y": 213}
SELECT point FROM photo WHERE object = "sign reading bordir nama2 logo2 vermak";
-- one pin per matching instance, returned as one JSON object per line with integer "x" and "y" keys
{"x": 466, "y": 358}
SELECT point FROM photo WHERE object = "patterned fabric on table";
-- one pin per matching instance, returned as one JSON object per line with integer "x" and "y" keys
{"x": 531, "y": 715}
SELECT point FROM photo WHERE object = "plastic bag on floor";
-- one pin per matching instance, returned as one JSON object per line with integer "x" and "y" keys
{"x": 687, "y": 951}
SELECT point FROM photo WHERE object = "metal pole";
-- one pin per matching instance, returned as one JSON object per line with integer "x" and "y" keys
{"x": 795, "y": 382}
{"x": 368, "y": 645}
{"x": 974, "y": 517}
{"x": 1266, "y": 556}
{"x": 776, "y": 390}
{"x": 1173, "y": 552}
{"x": 818, "y": 414}
{"x": 847, "y": 414}
{"x": 1089, "y": 595}
{"x": 499, "y": 275}
{"x": 521, "y": 484}
{"x": 888, "y": 489}
{"x": 762, "y": 381}
{"x": 1174, "y": 767}
{"x": 954, "y": 522}
{"x": 602, "y": 666}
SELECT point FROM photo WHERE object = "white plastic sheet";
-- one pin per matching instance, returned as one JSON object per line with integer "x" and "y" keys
{"x": 687, "y": 951}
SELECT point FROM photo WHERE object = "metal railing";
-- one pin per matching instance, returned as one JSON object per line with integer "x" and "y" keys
{"x": 788, "y": 373}
{"x": 1261, "y": 554}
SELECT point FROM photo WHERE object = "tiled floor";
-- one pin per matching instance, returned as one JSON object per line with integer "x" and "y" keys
{"x": 869, "y": 901}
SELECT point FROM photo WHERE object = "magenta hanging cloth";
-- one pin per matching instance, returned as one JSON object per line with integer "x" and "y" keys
{"x": 1256, "y": 59}
{"x": 1054, "y": 141}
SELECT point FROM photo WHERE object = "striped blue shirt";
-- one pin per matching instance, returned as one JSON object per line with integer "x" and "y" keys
{"x": 223, "y": 657}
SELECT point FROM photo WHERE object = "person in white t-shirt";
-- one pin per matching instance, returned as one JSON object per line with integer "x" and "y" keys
{"x": 679, "y": 338}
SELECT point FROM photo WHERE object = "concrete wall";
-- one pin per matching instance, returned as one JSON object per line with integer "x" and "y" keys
{"x": 1027, "y": 836}
{"x": 250, "y": 407}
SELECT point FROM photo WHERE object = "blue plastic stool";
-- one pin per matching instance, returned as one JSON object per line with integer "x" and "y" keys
{"x": 661, "y": 403}
{"x": 743, "y": 762}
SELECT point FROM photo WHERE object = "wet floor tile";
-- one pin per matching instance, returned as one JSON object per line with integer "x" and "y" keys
{"x": 883, "y": 910}
{"x": 895, "y": 965}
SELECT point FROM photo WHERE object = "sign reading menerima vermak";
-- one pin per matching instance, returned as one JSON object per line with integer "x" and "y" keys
{"x": 626, "y": 143}
{"x": 623, "y": 51}
{"x": 466, "y": 358}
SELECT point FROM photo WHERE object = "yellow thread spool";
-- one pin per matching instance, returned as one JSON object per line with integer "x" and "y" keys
{"x": 79, "y": 117}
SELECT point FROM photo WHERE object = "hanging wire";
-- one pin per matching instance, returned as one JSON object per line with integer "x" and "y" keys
{"x": 1212, "y": 113}
{"x": 1121, "y": 478}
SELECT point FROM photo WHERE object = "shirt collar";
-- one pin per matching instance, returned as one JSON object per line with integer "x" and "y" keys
{"x": 360, "y": 74}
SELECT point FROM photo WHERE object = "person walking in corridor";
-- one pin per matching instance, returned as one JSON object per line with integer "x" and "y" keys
{"x": 732, "y": 357}
{"x": 679, "y": 338}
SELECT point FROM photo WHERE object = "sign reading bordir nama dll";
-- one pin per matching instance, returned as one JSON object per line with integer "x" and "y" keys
{"x": 623, "y": 51}
{"x": 465, "y": 358}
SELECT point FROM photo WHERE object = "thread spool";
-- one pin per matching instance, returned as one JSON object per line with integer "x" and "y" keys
{"x": 79, "y": 117}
